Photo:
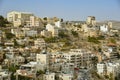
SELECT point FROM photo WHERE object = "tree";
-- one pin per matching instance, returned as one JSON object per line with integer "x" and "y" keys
{"x": 12, "y": 68}
{"x": 74, "y": 33}
{"x": 93, "y": 40}
{"x": 45, "y": 18}
{"x": 112, "y": 40}
{"x": 61, "y": 20}
{"x": 101, "y": 37}
{"x": 10, "y": 35}
{"x": 111, "y": 76}
{"x": 3, "y": 21}
{"x": 21, "y": 26}
{"x": 51, "y": 39}
{"x": 15, "y": 43}
{"x": 62, "y": 34}
{"x": 94, "y": 60}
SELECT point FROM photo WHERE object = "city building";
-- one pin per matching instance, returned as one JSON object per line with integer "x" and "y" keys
{"x": 46, "y": 33}
{"x": 43, "y": 58}
{"x": 18, "y": 33}
{"x": 91, "y": 20}
{"x": 29, "y": 70}
{"x": 53, "y": 29}
{"x": 34, "y": 22}
{"x": 64, "y": 76}
{"x": 78, "y": 57}
{"x": 107, "y": 68}
{"x": 17, "y": 60}
{"x": 49, "y": 76}
{"x": 4, "y": 74}
{"x": 18, "y": 18}
{"x": 31, "y": 33}
{"x": 84, "y": 28}
{"x": 110, "y": 24}
{"x": 101, "y": 68}
{"x": 104, "y": 28}
{"x": 40, "y": 43}
{"x": 58, "y": 24}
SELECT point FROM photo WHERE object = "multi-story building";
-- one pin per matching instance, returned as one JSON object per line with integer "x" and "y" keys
{"x": 104, "y": 28}
{"x": 43, "y": 58}
{"x": 79, "y": 57}
{"x": 107, "y": 68}
{"x": 53, "y": 29}
{"x": 18, "y": 33}
{"x": 4, "y": 74}
{"x": 49, "y": 76}
{"x": 91, "y": 20}
{"x": 18, "y": 18}
{"x": 32, "y": 33}
{"x": 110, "y": 25}
{"x": 46, "y": 33}
{"x": 91, "y": 32}
{"x": 34, "y": 22}
{"x": 58, "y": 24}
{"x": 17, "y": 60}
{"x": 84, "y": 28}
{"x": 63, "y": 76}
{"x": 40, "y": 43}
{"x": 101, "y": 68}
{"x": 29, "y": 70}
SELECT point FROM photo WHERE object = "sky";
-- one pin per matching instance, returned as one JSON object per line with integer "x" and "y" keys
{"x": 76, "y": 10}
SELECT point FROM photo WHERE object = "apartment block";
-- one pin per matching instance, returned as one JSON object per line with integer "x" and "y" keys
{"x": 18, "y": 18}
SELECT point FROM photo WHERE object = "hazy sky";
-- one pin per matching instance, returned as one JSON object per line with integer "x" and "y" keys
{"x": 66, "y": 9}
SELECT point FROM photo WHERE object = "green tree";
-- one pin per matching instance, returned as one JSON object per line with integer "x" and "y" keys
{"x": 10, "y": 35}
{"x": 111, "y": 76}
{"x": 21, "y": 26}
{"x": 45, "y": 18}
{"x": 94, "y": 60}
{"x": 51, "y": 40}
{"x": 74, "y": 33}
{"x": 3, "y": 21}
{"x": 62, "y": 34}
{"x": 101, "y": 37}
{"x": 112, "y": 40}
{"x": 12, "y": 68}
{"x": 15, "y": 43}
{"x": 93, "y": 40}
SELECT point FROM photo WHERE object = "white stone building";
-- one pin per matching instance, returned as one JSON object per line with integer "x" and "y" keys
{"x": 66, "y": 76}
{"x": 104, "y": 28}
{"x": 107, "y": 68}
{"x": 40, "y": 43}
{"x": 18, "y": 18}
{"x": 91, "y": 20}
{"x": 49, "y": 76}
{"x": 101, "y": 68}
{"x": 79, "y": 57}
{"x": 53, "y": 29}
{"x": 31, "y": 33}
{"x": 46, "y": 33}
{"x": 58, "y": 24}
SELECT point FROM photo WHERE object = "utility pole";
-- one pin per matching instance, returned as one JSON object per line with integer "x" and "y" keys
{"x": 9, "y": 76}
{"x": 1, "y": 77}
{"x": 16, "y": 76}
